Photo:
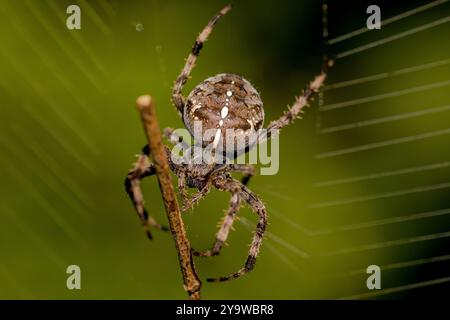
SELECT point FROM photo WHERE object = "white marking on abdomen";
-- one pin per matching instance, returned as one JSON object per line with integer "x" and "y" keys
{"x": 217, "y": 138}
{"x": 224, "y": 112}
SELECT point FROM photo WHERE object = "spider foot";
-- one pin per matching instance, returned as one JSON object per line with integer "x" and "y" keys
{"x": 148, "y": 233}
{"x": 204, "y": 254}
{"x": 232, "y": 276}
{"x": 151, "y": 222}
{"x": 249, "y": 265}
{"x": 208, "y": 253}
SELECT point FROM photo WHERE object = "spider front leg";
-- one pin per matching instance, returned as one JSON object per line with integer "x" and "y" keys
{"x": 227, "y": 222}
{"x": 228, "y": 184}
{"x": 143, "y": 168}
{"x": 177, "y": 97}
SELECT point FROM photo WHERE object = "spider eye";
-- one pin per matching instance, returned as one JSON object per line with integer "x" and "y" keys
{"x": 225, "y": 111}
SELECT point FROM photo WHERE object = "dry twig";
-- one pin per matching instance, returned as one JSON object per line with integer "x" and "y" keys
{"x": 192, "y": 283}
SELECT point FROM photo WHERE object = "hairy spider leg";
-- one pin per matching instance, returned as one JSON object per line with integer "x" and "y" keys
{"x": 182, "y": 188}
{"x": 227, "y": 222}
{"x": 142, "y": 168}
{"x": 300, "y": 103}
{"x": 177, "y": 97}
{"x": 226, "y": 183}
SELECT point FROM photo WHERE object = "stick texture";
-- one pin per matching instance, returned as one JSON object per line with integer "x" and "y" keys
{"x": 192, "y": 283}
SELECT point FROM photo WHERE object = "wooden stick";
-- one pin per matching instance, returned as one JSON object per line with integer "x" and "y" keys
{"x": 192, "y": 283}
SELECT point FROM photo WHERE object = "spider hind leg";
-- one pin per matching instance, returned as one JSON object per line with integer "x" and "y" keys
{"x": 231, "y": 185}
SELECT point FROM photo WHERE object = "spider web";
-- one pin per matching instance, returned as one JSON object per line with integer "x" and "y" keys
{"x": 409, "y": 193}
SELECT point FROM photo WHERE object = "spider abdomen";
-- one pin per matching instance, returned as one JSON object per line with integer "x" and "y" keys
{"x": 225, "y": 106}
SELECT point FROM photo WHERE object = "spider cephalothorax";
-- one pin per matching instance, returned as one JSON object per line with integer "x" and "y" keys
{"x": 221, "y": 104}
{"x": 224, "y": 103}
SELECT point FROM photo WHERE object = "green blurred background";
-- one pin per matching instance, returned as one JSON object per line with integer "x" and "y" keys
{"x": 70, "y": 132}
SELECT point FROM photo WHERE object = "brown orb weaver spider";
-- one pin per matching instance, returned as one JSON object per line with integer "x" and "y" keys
{"x": 223, "y": 102}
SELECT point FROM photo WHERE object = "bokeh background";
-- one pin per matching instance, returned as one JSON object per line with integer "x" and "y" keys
{"x": 364, "y": 178}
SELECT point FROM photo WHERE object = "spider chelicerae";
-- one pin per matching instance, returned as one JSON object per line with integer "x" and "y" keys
{"x": 222, "y": 102}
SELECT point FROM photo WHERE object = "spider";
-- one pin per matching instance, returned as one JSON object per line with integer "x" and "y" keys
{"x": 225, "y": 101}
